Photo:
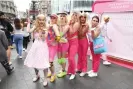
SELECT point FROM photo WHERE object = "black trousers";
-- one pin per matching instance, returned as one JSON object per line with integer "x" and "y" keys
{"x": 25, "y": 42}
{"x": 7, "y": 67}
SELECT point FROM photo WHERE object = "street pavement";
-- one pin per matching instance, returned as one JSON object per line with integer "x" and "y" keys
{"x": 110, "y": 77}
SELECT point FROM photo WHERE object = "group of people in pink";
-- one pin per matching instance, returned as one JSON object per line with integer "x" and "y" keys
{"x": 62, "y": 37}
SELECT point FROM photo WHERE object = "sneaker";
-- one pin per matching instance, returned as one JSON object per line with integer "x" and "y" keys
{"x": 61, "y": 74}
{"x": 23, "y": 49}
{"x": 20, "y": 57}
{"x": 49, "y": 75}
{"x": 36, "y": 78}
{"x": 10, "y": 63}
{"x": 11, "y": 47}
{"x": 82, "y": 74}
{"x": 10, "y": 70}
{"x": 89, "y": 72}
{"x": 106, "y": 63}
{"x": 72, "y": 77}
{"x": 52, "y": 79}
{"x": 92, "y": 74}
{"x": 45, "y": 83}
{"x": 0, "y": 80}
{"x": 60, "y": 71}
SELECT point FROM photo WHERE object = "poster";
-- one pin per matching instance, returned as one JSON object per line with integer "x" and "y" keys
{"x": 120, "y": 30}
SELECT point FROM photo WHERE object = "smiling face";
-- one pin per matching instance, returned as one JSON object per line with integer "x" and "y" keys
{"x": 41, "y": 21}
{"x": 53, "y": 20}
{"x": 95, "y": 21}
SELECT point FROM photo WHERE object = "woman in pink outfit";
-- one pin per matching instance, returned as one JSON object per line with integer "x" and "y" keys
{"x": 38, "y": 56}
{"x": 53, "y": 39}
{"x": 72, "y": 35}
{"x": 94, "y": 33}
{"x": 63, "y": 44}
{"x": 83, "y": 44}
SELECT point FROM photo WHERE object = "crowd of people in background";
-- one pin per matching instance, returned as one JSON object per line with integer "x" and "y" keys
{"x": 66, "y": 36}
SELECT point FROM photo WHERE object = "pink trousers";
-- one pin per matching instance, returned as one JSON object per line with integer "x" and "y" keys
{"x": 82, "y": 55}
{"x": 72, "y": 51}
{"x": 95, "y": 59}
{"x": 63, "y": 47}
{"x": 52, "y": 52}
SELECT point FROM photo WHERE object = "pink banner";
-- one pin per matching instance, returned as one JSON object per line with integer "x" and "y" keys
{"x": 117, "y": 6}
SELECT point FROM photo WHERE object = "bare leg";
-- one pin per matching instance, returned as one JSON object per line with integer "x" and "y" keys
{"x": 37, "y": 75}
{"x": 52, "y": 68}
{"x": 9, "y": 54}
{"x": 45, "y": 83}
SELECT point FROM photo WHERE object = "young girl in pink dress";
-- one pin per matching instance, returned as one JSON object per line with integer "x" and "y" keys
{"x": 38, "y": 56}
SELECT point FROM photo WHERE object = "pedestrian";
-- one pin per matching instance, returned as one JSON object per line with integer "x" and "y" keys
{"x": 3, "y": 54}
{"x": 63, "y": 44}
{"x": 18, "y": 37}
{"x": 53, "y": 39}
{"x": 104, "y": 33}
{"x": 8, "y": 29}
{"x": 95, "y": 32}
{"x": 83, "y": 44}
{"x": 38, "y": 56}
{"x": 72, "y": 35}
{"x": 26, "y": 37}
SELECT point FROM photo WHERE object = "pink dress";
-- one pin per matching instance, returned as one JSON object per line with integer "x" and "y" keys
{"x": 38, "y": 56}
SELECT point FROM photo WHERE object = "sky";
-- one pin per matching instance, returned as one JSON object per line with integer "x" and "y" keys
{"x": 22, "y": 5}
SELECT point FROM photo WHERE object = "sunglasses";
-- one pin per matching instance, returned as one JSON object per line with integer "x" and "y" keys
{"x": 53, "y": 17}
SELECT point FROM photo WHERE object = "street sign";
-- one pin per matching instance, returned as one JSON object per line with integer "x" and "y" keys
{"x": 33, "y": 12}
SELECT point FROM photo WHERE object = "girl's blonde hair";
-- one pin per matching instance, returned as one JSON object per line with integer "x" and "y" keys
{"x": 37, "y": 22}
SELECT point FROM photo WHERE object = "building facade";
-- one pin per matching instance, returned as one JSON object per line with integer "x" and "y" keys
{"x": 8, "y": 7}
{"x": 44, "y": 6}
{"x": 71, "y": 5}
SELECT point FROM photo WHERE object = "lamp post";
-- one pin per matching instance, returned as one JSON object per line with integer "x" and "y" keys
{"x": 34, "y": 7}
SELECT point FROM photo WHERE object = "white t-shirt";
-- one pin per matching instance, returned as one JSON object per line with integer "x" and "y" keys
{"x": 25, "y": 33}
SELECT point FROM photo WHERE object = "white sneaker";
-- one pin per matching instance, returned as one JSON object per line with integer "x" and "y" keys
{"x": 72, "y": 77}
{"x": 10, "y": 63}
{"x": 23, "y": 49}
{"x": 20, "y": 57}
{"x": 90, "y": 58}
{"x": 106, "y": 63}
{"x": 82, "y": 74}
{"x": 92, "y": 74}
{"x": 36, "y": 79}
{"x": 45, "y": 83}
{"x": 89, "y": 72}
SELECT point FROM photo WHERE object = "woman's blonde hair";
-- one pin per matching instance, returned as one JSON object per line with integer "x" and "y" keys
{"x": 60, "y": 22}
{"x": 37, "y": 22}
